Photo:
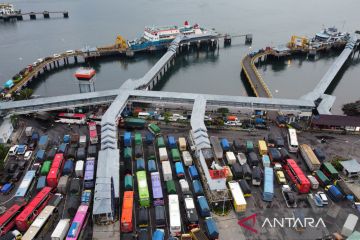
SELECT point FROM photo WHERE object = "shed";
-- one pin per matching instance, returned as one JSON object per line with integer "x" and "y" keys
{"x": 6, "y": 129}
{"x": 333, "y": 122}
{"x": 351, "y": 168}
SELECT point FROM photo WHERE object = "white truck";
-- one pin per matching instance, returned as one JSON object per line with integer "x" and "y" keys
{"x": 163, "y": 154}
{"x": 29, "y": 131}
{"x": 82, "y": 141}
{"x": 167, "y": 172}
{"x": 187, "y": 158}
{"x": 349, "y": 225}
{"x": 61, "y": 230}
{"x": 230, "y": 157}
{"x": 79, "y": 169}
{"x": 313, "y": 182}
{"x": 182, "y": 144}
{"x": 184, "y": 185}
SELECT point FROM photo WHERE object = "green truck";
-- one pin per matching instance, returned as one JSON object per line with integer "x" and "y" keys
{"x": 128, "y": 153}
{"x": 154, "y": 129}
{"x": 329, "y": 170}
{"x": 170, "y": 187}
{"x": 138, "y": 139}
{"x": 175, "y": 155}
{"x": 45, "y": 168}
{"x": 134, "y": 123}
{"x": 322, "y": 178}
{"x": 160, "y": 142}
{"x": 128, "y": 182}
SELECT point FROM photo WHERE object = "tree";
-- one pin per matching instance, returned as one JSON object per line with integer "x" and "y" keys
{"x": 352, "y": 109}
{"x": 14, "y": 119}
{"x": 336, "y": 162}
{"x": 24, "y": 94}
{"x": 223, "y": 111}
{"x": 3, "y": 152}
{"x": 167, "y": 116}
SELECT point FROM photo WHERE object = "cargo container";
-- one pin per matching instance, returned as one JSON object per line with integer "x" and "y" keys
{"x": 160, "y": 220}
{"x": 211, "y": 228}
{"x": 71, "y": 153}
{"x": 284, "y": 154}
{"x": 249, "y": 146}
{"x": 238, "y": 196}
{"x": 92, "y": 151}
{"x": 179, "y": 169}
{"x": 262, "y": 147}
{"x": 219, "y": 153}
{"x": 61, "y": 229}
{"x": 184, "y": 185}
{"x": 167, "y": 172}
{"x": 323, "y": 180}
{"x": 79, "y": 168}
{"x": 198, "y": 189}
{"x": 253, "y": 159}
{"x": 230, "y": 157}
{"x": 43, "y": 142}
{"x": 68, "y": 167}
{"x": 309, "y": 157}
{"x": 328, "y": 169}
{"x": 163, "y": 154}
{"x": 193, "y": 172}
{"x": 204, "y": 208}
{"x": 127, "y": 139}
{"x": 152, "y": 166}
{"x": 182, "y": 144}
{"x": 45, "y": 168}
{"x": 334, "y": 193}
{"x": 175, "y": 154}
{"x": 41, "y": 183}
{"x": 225, "y": 144}
{"x": 349, "y": 225}
{"x": 63, "y": 184}
{"x": 266, "y": 161}
{"x": 188, "y": 161}
{"x": 171, "y": 142}
{"x": 139, "y": 151}
{"x": 313, "y": 182}
{"x": 128, "y": 182}
{"x": 256, "y": 176}
{"x": 140, "y": 164}
{"x": 236, "y": 171}
{"x": 170, "y": 187}
{"x": 320, "y": 154}
{"x": 275, "y": 155}
{"x": 138, "y": 139}
{"x": 160, "y": 142}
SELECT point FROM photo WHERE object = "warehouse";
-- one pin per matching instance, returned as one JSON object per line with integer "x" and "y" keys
{"x": 336, "y": 122}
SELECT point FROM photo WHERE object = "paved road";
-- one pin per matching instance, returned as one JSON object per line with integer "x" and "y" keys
{"x": 254, "y": 80}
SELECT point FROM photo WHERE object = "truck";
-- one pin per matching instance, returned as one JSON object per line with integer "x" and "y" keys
{"x": 170, "y": 187}
{"x": 43, "y": 142}
{"x": 245, "y": 188}
{"x": 74, "y": 139}
{"x": 61, "y": 229}
{"x": 63, "y": 148}
{"x": 154, "y": 129}
{"x": 159, "y": 234}
{"x": 179, "y": 169}
{"x": 182, "y": 144}
{"x": 313, "y": 181}
{"x": 140, "y": 164}
{"x": 139, "y": 151}
{"x": 334, "y": 193}
{"x": 253, "y": 159}
{"x": 192, "y": 218}
{"x": 198, "y": 234}
{"x": 128, "y": 182}
{"x": 149, "y": 138}
{"x": 29, "y": 131}
{"x": 184, "y": 185}
{"x": 66, "y": 138}
{"x": 263, "y": 149}
{"x": 329, "y": 170}
{"x": 211, "y": 228}
{"x": 309, "y": 157}
{"x": 274, "y": 155}
{"x": 167, "y": 172}
{"x": 79, "y": 168}
{"x": 204, "y": 208}
{"x": 127, "y": 139}
{"x": 68, "y": 167}
{"x": 198, "y": 189}
{"x": 266, "y": 160}
{"x": 171, "y": 142}
{"x": 319, "y": 154}
{"x": 256, "y": 176}
{"x": 349, "y": 225}
{"x": 63, "y": 184}
{"x": 230, "y": 157}
{"x": 151, "y": 165}
{"x": 45, "y": 168}
{"x": 249, "y": 146}
{"x": 160, "y": 142}
{"x": 175, "y": 154}
{"x": 322, "y": 179}
{"x": 83, "y": 141}
{"x": 225, "y": 144}
{"x": 188, "y": 161}
{"x": 236, "y": 171}
{"x": 134, "y": 123}
{"x": 163, "y": 154}
{"x": 193, "y": 172}
{"x": 41, "y": 183}
{"x": 138, "y": 139}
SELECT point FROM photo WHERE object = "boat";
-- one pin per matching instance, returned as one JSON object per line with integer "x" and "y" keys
{"x": 157, "y": 38}
{"x": 85, "y": 73}
{"x": 7, "y": 9}
{"x": 331, "y": 34}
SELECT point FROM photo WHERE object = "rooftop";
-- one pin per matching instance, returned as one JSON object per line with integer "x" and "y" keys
{"x": 351, "y": 165}
{"x": 336, "y": 120}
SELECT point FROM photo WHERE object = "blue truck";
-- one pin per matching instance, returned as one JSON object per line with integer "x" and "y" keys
{"x": 193, "y": 172}
{"x": 158, "y": 234}
{"x": 198, "y": 190}
{"x": 172, "y": 142}
{"x": 66, "y": 139}
{"x": 179, "y": 169}
{"x": 149, "y": 138}
{"x": 140, "y": 164}
{"x": 211, "y": 228}
{"x": 6, "y": 189}
{"x": 43, "y": 142}
{"x": 151, "y": 165}
{"x": 225, "y": 144}
{"x": 127, "y": 139}
{"x": 68, "y": 167}
{"x": 40, "y": 156}
{"x": 204, "y": 206}
{"x": 41, "y": 183}
{"x": 268, "y": 193}
{"x": 63, "y": 148}
{"x": 334, "y": 193}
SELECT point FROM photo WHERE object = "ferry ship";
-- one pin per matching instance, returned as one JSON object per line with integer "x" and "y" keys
{"x": 7, "y": 9}
{"x": 331, "y": 34}
{"x": 157, "y": 38}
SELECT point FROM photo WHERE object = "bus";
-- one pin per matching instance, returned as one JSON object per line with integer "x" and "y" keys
{"x": 41, "y": 220}
{"x": 71, "y": 118}
{"x": 154, "y": 129}
{"x": 309, "y": 157}
{"x": 93, "y": 133}
{"x": 126, "y": 223}
{"x": 268, "y": 192}
{"x": 55, "y": 170}
{"x": 238, "y": 196}
{"x": 26, "y": 184}
{"x": 174, "y": 213}
{"x": 31, "y": 211}
{"x": 143, "y": 189}
{"x": 7, "y": 220}
{"x": 89, "y": 181}
{"x": 157, "y": 192}
{"x": 292, "y": 140}
{"x": 329, "y": 170}
{"x": 297, "y": 176}
{"x": 78, "y": 223}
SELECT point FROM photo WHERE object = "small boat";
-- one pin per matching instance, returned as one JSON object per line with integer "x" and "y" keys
{"x": 85, "y": 73}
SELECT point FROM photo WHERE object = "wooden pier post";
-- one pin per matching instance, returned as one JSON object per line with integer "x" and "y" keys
{"x": 46, "y": 14}
{"x": 32, "y": 16}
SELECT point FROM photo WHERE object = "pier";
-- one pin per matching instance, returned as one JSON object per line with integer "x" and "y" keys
{"x": 18, "y": 15}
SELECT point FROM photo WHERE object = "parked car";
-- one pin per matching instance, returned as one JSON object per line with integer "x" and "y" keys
{"x": 6, "y": 189}
{"x": 28, "y": 155}
{"x": 289, "y": 196}
{"x": 69, "y": 52}
{"x": 280, "y": 177}
{"x": 323, "y": 198}
{"x": 56, "y": 55}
